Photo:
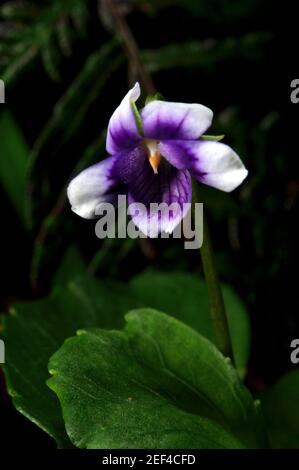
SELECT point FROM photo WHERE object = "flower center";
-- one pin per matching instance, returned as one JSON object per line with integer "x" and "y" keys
{"x": 153, "y": 152}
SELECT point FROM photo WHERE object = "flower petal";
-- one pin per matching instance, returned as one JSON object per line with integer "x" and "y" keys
{"x": 93, "y": 186}
{"x": 122, "y": 130}
{"x": 211, "y": 163}
{"x": 169, "y": 186}
{"x": 166, "y": 120}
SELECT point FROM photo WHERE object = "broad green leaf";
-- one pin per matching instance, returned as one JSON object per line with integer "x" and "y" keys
{"x": 281, "y": 409}
{"x": 85, "y": 303}
{"x": 13, "y": 161}
{"x": 224, "y": 397}
{"x": 185, "y": 297}
{"x": 118, "y": 390}
{"x": 156, "y": 384}
{"x": 33, "y": 331}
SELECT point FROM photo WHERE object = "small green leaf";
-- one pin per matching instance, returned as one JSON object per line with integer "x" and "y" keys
{"x": 137, "y": 117}
{"x": 155, "y": 97}
{"x": 156, "y": 384}
{"x": 215, "y": 138}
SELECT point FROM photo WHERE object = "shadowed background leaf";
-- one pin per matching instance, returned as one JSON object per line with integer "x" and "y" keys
{"x": 13, "y": 162}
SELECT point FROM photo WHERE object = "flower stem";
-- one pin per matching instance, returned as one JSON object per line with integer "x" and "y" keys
{"x": 130, "y": 46}
{"x": 217, "y": 307}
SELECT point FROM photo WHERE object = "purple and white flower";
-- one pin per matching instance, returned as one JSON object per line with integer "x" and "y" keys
{"x": 154, "y": 162}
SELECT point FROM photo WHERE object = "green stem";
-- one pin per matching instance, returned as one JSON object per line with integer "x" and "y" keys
{"x": 217, "y": 308}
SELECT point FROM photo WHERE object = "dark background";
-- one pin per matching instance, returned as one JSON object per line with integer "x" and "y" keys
{"x": 254, "y": 230}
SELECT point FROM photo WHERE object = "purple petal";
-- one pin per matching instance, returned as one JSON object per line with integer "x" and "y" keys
{"x": 211, "y": 163}
{"x": 93, "y": 186}
{"x": 165, "y": 120}
{"x": 122, "y": 130}
{"x": 170, "y": 186}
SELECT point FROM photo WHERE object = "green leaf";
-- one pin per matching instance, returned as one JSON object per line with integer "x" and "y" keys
{"x": 85, "y": 303}
{"x": 156, "y": 384}
{"x": 155, "y": 97}
{"x": 281, "y": 410}
{"x": 137, "y": 117}
{"x": 33, "y": 331}
{"x": 13, "y": 161}
{"x": 185, "y": 297}
{"x": 216, "y": 138}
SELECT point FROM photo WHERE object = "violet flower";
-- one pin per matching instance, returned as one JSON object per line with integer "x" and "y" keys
{"x": 154, "y": 162}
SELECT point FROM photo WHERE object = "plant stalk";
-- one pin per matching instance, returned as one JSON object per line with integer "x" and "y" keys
{"x": 131, "y": 47}
{"x": 217, "y": 309}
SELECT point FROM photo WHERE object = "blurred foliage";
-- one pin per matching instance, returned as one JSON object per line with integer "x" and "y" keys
{"x": 206, "y": 53}
{"x": 281, "y": 410}
{"x": 30, "y": 29}
{"x": 13, "y": 162}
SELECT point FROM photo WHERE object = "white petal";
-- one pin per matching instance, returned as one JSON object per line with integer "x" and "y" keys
{"x": 122, "y": 130}
{"x": 164, "y": 120}
{"x": 217, "y": 165}
{"x": 92, "y": 187}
